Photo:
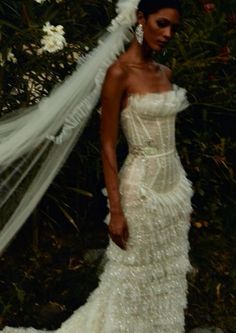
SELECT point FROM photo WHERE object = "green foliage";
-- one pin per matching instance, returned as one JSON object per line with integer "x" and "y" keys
{"x": 202, "y": 57}
{"x": 203, "y": 62}
{"x": 44, "y": 288}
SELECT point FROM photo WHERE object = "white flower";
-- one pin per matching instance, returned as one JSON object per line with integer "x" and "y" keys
{"x": 54, "y": 39}
{"x": 51, "y": 29}
{"x": 40, "y": 1}
{"x": 2, "y": 62}
{"x": 52, "y": 43}
{"x": 11, "y": 57}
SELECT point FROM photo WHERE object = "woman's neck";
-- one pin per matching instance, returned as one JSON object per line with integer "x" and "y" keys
{"x": 139, "y": 54}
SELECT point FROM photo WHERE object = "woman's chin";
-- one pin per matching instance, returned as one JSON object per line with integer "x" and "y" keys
{"x": 157, "y": 48}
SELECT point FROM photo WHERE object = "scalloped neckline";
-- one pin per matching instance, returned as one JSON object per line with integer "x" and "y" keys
{"x": 145, "y": 95}
{"x": 141, "y": 95}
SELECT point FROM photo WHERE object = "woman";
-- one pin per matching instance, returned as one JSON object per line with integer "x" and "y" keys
{"x": 133, "y": 73}
{"x": 143, "y": 287}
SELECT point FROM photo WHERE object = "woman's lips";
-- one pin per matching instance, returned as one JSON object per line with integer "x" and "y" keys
{"x": 161, "y": 44}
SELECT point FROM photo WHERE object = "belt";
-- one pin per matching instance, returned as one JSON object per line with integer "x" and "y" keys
{"x": 149, "y": 151}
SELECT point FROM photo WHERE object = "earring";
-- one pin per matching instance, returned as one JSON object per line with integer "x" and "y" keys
{"x": 139, "y": 34}
{"x": 164, "y": 52}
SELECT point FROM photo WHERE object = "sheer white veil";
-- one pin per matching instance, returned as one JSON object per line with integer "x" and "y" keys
{"x": 35, "y": 141}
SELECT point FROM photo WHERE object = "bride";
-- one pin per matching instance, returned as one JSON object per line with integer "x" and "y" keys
{"x": 143, "y": 287}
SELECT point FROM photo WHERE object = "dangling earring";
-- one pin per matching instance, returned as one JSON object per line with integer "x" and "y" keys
{"x": 164, "y": 53}
{"x": 139, "y": 34}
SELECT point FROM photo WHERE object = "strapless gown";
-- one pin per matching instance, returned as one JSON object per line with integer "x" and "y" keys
{"x": 144, "y": 289}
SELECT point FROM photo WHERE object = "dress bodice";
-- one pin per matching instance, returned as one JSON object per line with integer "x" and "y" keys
{"x": 148, "y": 123}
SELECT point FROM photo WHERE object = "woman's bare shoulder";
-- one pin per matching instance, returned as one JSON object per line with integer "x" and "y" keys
{"x": 116, "y": 71}
{"x": 115, "y": 80}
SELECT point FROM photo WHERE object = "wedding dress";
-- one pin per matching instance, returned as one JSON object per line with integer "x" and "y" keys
{"x": 144, "y": 289}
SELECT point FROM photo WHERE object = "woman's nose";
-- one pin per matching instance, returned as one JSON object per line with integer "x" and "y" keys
{"x": 168, "y": 33}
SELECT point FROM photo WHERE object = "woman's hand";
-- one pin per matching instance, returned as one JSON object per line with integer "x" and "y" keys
{"x": 118, "y": 230}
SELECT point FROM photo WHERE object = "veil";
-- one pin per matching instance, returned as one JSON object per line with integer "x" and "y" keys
{"x": 35, "y": 141}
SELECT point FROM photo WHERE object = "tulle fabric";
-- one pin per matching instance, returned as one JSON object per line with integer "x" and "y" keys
{"x": 35, "y": 141}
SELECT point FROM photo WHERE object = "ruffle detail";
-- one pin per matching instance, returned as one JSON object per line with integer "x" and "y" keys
{"x": 154, "y": 104}
{"x": 168, "y": 202}
{"x": 126, "y": 11}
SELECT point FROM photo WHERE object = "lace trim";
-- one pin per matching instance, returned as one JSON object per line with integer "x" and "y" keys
{"x": 160, "y": 103}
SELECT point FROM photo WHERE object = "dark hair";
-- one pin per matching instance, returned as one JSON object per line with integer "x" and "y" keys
{"x": 151, "y": 6}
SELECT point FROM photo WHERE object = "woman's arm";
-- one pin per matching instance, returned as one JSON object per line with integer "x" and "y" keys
{"x": 113, "y": 90}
